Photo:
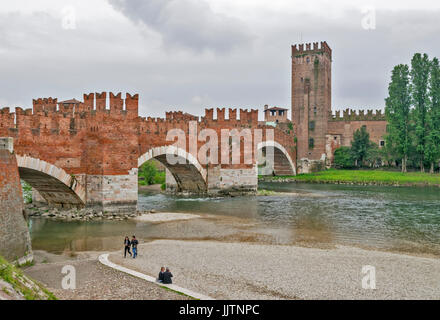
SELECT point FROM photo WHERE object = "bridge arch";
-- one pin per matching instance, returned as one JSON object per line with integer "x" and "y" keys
{"x": 187, "y": 172}
{"x": 282, "y": 162}
{"x": 54, "y": 184}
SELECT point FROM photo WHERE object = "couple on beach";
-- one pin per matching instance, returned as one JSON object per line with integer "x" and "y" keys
{"x": 165, "y": 276}
{"x": 133, "y": 243}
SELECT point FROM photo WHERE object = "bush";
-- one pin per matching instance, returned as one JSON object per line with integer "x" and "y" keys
{"x": 148, "y": 174}
{"x": 343, "y": 158}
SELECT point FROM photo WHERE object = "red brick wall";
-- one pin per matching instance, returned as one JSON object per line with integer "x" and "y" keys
{"x": 109, "y": 141}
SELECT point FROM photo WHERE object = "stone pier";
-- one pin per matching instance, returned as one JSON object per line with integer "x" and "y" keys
{"x": 15, "y": 243}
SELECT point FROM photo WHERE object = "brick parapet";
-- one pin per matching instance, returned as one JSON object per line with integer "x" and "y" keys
{"x": 358, "y": 115}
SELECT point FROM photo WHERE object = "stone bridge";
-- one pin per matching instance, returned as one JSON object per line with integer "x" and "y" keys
{"x": 87, "y": 153}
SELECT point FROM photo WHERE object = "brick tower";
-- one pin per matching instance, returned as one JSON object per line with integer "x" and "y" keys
{"x": 311, "y": 98}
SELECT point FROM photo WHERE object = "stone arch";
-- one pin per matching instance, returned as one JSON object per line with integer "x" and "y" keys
{"x": 188, "y": 174}
{"x": 54, "y": 184}
{"x": 283, "y": 164}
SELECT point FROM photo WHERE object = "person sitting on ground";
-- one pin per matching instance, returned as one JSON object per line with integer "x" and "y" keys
{"x": 134, "y": 244}
{"x": 127, "y": 244}
{"x": 162, "y": 271}
{"x": 167, "y": 275}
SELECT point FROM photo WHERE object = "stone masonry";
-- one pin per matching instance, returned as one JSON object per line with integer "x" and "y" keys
{"x": 87, "y": 153}
{"x": 14, "y": 234}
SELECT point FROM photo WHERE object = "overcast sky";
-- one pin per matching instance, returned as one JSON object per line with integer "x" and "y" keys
{"x": 191, "y": 54}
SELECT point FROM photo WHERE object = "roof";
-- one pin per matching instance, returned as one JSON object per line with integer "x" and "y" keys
{"x": 70, "y": 101}
{"x": 274, "y": 109}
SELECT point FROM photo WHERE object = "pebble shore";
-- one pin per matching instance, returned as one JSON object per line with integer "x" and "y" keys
{"x": 257, "y": 271}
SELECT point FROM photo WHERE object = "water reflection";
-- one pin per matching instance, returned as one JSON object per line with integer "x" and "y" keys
{"x": 384, "y": 217}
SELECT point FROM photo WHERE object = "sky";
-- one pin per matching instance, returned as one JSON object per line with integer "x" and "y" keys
{"x": 194, "y": 54}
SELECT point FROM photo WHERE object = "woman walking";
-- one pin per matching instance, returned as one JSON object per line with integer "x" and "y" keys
{"x": 127, "y": 244}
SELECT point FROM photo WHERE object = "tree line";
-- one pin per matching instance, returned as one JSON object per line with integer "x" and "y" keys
{"x": 412, "y": 110}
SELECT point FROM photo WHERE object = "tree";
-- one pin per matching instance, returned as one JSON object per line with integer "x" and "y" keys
{"x": 342, "y": 158}
{"x": 374, "y": 155}
{"x": 433, "y": 117}
{"x": 420, "y": 69}
{"x": 397, "y": 110}
{"x": 360, "y": 145}
{"x": 148, "y": 171}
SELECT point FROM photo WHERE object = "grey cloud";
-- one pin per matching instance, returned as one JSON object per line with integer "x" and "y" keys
{"x": 189, "y": 24}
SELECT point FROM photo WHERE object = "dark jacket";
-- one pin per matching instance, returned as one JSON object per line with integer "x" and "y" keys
{"x": 127, "y": 242}
{"x": 167, "y": 277}
{"x": 160, "y": 278}
{"x": 134, "y": 243}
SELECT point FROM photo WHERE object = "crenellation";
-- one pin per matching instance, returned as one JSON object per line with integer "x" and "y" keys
{"x": 358, "y": 115}
{"x": 116, "y": 103}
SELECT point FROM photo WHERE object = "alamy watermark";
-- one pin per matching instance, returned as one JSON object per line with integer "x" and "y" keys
{"x": 369, "y": 277}
{"x": 226, "y": 149}
{"x": 368, "y": 21}
{"x": 69, "y": 280}
{"x": 68, "y": 20}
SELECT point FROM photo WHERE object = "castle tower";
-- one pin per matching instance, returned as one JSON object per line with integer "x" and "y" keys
{"x": 311, "y": 97}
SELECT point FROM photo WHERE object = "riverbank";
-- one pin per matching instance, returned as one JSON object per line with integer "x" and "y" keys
{"x": 14, "y": 285}
{"x": 362, "y": 177}
{"x": 256, "y": 271}
{"x": 94, "y": 281}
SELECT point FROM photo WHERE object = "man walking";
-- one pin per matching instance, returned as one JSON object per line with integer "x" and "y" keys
{"x": 134, "y": 244}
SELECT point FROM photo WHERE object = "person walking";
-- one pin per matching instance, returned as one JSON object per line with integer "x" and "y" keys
{"x": 134, "y": 244}
{"x": 127, "y": 244}
{"x": 167, "y": 275}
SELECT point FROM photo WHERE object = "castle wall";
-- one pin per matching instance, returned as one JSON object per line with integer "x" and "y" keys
{"x": 342, "y": 127}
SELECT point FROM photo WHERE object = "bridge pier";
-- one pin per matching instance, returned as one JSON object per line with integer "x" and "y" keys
{"x": 15, "y": 242}
{"x": 112, "y": 193}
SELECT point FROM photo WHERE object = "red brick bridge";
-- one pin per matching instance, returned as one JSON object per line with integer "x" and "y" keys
{"x": 87, "y": 153}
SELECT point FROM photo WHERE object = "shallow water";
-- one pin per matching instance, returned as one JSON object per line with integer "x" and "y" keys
{"x": 391, "y": 218}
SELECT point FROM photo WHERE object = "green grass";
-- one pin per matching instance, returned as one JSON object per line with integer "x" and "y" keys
{"x": 178, "y": 292}
{"x": 367, "y": 176}
{"x": 30, "y": 289}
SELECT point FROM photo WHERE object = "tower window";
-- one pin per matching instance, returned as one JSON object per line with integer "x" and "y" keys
{"x": 382, "y": 143}
{"x": 312, "y": 125}
{"x": 311, "y": 143}
{"x": 315, "y": 109}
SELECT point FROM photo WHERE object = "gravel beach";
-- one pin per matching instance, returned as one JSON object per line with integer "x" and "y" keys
{"x": 94, "y": 281}
{"x": 257, "y": 271}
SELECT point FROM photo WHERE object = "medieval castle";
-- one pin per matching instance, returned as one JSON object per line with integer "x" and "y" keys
{"x": 318, "y": 131}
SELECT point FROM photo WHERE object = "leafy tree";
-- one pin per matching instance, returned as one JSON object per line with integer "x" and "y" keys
{"x": 343, "y": 158}
{"x": 397, "y": 110}
{"x": 420, "y": 68}
{"x": 374, "y": 155}
{"x": 148, "y": 171}
{"x": 360, "y": 145}
{"x": 433, "y": 118}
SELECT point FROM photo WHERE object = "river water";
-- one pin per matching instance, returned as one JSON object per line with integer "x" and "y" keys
{"x": 404, "y": 219}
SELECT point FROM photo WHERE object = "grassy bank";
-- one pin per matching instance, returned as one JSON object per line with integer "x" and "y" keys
{"x": 15, "y": 285}
{"x": 379, "y": 177}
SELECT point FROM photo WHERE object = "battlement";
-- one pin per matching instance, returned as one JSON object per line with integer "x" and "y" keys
{"x": 92, "y": 101}
{"x": 179, "y": 115}
{"x": 245, "y": 115}
{"x": 311, "y": 48}
{"x": 357, "y": 115}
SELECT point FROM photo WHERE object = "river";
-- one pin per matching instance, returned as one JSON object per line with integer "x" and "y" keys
{"x": 404, "y": 219}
